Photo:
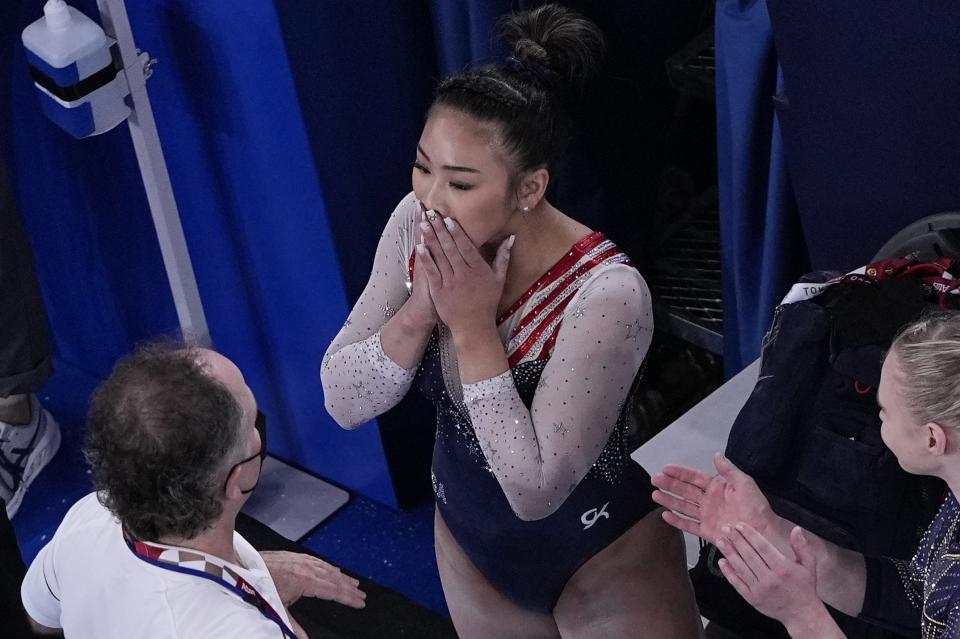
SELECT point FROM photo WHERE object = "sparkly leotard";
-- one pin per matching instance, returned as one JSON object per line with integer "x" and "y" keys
{"x": 530, "y": 468}
{"x": 923, "y": 594}
{"x": 528, "y": 561}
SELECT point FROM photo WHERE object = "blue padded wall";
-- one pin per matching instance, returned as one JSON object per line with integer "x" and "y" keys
{"x": 252, "y": 209}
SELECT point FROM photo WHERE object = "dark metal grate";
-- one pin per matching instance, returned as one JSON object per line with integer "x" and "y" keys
{"x": 685, "y": 278}
{"x": 685, "y": 281}
{"x": 693, "y": 68}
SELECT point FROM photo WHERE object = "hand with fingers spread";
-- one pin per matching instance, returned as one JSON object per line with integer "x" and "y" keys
{"x": 700, "y": 504}
{"x": 778, "y": 586}
{"x": 300, "y": 575}
{"x": 465, "y": 289}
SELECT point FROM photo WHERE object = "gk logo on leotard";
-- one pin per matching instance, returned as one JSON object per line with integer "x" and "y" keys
{"x": 590, "y": 517}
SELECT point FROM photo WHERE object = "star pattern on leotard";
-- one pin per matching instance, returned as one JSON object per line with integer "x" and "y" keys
{"x": 362, "y": 391}
{"x": 542, "y": 383}
{"x": 474, "y": 448}
{"x": 634, "y": 330}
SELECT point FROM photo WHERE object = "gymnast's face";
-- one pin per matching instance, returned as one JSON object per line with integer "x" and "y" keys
{"x": 461, "y": 172}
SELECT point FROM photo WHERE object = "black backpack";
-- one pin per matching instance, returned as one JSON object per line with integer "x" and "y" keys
{"x": 809, "y": 433}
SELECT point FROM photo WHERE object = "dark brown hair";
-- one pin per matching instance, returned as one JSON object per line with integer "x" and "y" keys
{"x": 554, "y": 52}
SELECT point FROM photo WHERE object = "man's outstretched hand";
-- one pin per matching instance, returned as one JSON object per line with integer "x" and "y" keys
{"x": 300, "y": 575}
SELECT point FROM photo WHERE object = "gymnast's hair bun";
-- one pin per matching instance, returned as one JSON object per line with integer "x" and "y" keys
{"x": 555, "y": 45}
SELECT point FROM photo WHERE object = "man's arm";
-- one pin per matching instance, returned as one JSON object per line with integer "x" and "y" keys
{"x": 40, "y": 629}
{"x": 40, "y": 592}
{"x": 295, "y": 625}
{"x": 300, "y": 575}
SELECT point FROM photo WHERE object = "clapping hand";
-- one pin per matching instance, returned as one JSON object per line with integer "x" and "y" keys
{"x": 700, "y": 504}
{"x": 766, "y": 559}
{"x": 783, "y": 588}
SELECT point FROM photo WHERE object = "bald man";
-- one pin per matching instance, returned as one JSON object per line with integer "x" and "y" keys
{"x": 176, "y": 449}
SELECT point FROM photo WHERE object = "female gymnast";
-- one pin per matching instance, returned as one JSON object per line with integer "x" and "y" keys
{"x": 526, "y": 330}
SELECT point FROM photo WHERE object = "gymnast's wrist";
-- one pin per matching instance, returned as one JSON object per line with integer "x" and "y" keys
{"x": 469, "y": 337}
{"x": 814, "y": 622}
{"x": 413, "y": 322}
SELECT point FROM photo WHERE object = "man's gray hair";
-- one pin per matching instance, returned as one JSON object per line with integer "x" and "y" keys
{"x": 161, "y": 433}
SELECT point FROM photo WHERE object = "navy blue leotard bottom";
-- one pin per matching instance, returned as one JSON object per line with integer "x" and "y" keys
{"x": 530, "y": 562}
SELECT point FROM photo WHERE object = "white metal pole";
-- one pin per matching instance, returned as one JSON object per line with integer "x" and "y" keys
{"x": 156, "y": 180}
{"x": 310, "y": 500}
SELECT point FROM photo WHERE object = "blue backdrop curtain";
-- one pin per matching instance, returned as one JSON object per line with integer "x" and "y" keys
{"x": 762, "y": 247}
{"x": 465, "y": 34}
{"x": 836, "y": 127}
{"x": 253, "y": 212}
{"x": 869, "y": 118}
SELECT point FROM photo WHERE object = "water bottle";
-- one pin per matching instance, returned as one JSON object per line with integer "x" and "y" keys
{"x": 79, "y": 86}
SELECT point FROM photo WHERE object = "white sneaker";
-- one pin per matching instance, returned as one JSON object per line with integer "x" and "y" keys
{"x": 24, "y": 451}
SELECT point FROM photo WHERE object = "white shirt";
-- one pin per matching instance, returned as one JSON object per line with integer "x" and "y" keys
{"x": 87, "y": 581}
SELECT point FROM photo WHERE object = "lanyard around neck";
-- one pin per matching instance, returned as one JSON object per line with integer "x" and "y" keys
{"x": 240, "y": 587}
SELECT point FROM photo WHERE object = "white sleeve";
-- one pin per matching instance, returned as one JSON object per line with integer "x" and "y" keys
{"x": 40, "y": 590}
{"x": 252, "y": 559}
{"x": 359, "y": 380}
{"x": 539, "y": 456}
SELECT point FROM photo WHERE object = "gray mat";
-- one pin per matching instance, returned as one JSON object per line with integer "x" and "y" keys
{"x": 292, "y": 502}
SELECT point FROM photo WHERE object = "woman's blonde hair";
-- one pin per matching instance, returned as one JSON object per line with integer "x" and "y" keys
{"x": 928, "y": 352}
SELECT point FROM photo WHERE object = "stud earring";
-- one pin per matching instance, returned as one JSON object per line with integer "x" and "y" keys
{"x": 526, "y": 210}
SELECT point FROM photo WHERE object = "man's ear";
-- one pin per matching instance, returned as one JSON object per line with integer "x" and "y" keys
{"x": 231, "y": 486}
{"x": 532, "y": 188}
{"x": 937, "y": 438}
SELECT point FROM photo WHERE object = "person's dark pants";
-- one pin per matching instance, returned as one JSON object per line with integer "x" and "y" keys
{"x": 24, "y": 345}
{"x": 12, "y": 572}
{"x": 24, "y": 367}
